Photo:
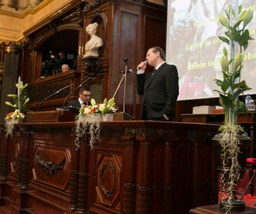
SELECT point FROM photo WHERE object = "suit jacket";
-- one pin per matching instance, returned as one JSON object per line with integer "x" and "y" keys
{"x": 160, "y": 92}
{"x": 75, "y": 103}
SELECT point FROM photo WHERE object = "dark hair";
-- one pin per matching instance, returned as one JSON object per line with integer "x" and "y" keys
{"x": 85, "y": 88}
{"x": 160, "y": 50}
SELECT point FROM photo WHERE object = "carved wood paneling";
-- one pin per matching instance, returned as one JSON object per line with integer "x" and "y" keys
{"x": 133, "y": 168}
{"x": 108, "y": 179}
{"x": 51, "y": 165}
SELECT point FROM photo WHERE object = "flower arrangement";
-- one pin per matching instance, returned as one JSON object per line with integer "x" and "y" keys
{"x": 19, "y": 105}
{"x": 16, "y": 115}
{"x": 89, "y": 117}
{"x": 107, "y": 107}
{"x": 231, "y": 87}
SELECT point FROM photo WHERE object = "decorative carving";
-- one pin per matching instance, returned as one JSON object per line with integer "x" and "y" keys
{"x": 150, "y": 132}
{"x": 77, "y": 16}
{"x": 49, "y": 167}
{"x": 52, "y": 26}
{"x": 14, "y": 157}
{"x": 55, "y": 130}
{"x": 107, "y": 168}
{"x": 94, "y": 4}
{"x": 113, "y": 131}
{"x": 92, "y": 66}
{"x": 39, "y": 93}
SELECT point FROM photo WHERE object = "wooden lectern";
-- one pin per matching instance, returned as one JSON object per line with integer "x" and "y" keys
{"x": 50, "y": 116}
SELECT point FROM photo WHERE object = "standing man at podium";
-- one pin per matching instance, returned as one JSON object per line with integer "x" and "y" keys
{"x": 84, "y": 98}
{"x": 160, "y": 87}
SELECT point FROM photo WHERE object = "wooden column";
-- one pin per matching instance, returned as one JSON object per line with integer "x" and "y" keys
{"x": 129, "y": 195}
{"x": 83, "y": 175}
{"x": 23, "y": 160}
{"x": 74, "y": 177}
{"x": 3, "y": 155}
{"x": 167, "y": 187}
{"x": 144, "y": 201}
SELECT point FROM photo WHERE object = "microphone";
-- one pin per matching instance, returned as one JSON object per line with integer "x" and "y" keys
{"x": 56, "y": 92}
{"x": 76, "y": 89}
{"x": 146, "y": 62}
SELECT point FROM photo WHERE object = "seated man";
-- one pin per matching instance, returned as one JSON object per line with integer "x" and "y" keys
{"x": 84, "y": 98}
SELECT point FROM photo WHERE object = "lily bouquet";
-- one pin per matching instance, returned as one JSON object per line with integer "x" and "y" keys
{"x": 89, "y": 117}
{"x": 16, "y": 115}
{"x": 20, "y": 100}
{"x": 107, "y": 107}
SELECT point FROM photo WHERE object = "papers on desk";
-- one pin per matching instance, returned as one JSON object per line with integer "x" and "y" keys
{"x": 205, "y": 109}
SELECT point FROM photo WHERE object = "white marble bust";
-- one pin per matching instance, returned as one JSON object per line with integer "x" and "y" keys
{"x": 95, "y": 42}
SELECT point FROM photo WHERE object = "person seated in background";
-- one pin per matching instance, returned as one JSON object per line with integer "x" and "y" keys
{"x": 62, "y": 59}
{"x": 65, "y": 68}
{"x": 84, "y": 98}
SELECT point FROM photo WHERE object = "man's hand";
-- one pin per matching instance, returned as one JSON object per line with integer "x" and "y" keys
{"x": 165, "y": 117}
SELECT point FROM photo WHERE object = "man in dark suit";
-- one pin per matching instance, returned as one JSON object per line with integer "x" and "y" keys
{"x": 160, "y": 87}
{"x": 84, "y": 98}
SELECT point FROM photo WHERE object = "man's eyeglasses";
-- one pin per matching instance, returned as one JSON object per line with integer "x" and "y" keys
{"x": 86, "y": 95}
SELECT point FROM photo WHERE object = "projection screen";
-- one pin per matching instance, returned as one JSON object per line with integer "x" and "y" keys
{"x": 194, "y": 47}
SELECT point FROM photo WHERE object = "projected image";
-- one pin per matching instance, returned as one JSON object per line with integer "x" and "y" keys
{"x": 194, "y": 47}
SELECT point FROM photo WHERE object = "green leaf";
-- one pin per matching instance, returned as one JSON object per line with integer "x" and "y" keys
{"x": 225, "y": 85}
{"x": 218, "y": 82}
{"x": 224, "y": 21}
{"x": 240, "y": 107}
{"x": 105, "y": 111}
{"x": 224, "y": 39}
{"x": 245, "y": 37}
{"x": 225, "y": 101}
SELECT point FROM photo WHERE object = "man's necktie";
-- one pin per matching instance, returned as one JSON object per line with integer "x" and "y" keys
{"x": 154, "y": 71}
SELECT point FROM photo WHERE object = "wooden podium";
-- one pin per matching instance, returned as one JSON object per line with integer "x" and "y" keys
{"x": 50, "y": 116}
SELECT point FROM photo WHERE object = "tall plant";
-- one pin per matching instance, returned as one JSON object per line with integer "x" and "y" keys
{"x": 231, "y": 87}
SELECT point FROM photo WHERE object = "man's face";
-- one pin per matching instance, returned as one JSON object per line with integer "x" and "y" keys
{"x": 85, "y": 96}
{"x": 152, "y": 57}
{"x": 65, "y": 69}
{"x": 61, "y": 55}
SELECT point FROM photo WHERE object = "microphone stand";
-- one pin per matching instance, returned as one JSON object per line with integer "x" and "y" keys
{"x": 76, "y": 89}
{"x": 123, "y": 78}
{"x": 51, "y": 96}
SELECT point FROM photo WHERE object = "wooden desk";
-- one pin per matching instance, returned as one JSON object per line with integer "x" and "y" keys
{"x": 217, "y": 118}
{"x": 214, "y": 209}
{"x": 202, "y": 118}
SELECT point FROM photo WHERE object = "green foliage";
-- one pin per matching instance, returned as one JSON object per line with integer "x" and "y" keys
{"x": 23, "y": 98}
{"x": 231, "y": 86}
